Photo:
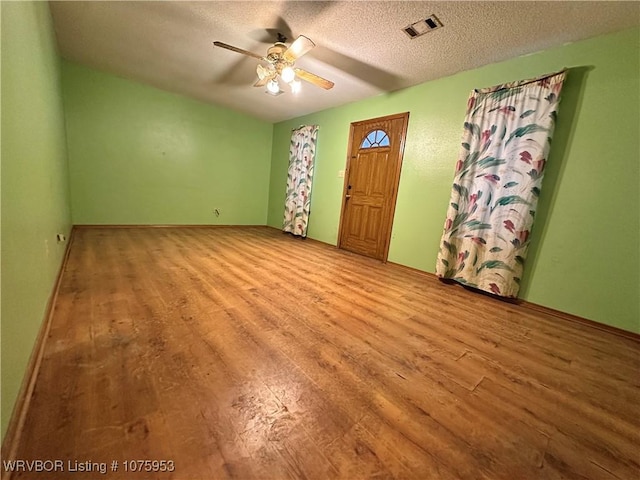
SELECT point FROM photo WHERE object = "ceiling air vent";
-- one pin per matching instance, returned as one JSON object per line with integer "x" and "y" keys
{"x": 423, "y": 26}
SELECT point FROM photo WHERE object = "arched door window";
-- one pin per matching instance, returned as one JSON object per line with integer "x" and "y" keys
{"x": 376, "y": 138}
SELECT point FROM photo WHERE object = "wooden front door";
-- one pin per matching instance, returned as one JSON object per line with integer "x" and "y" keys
{"x": 371, "y": 184}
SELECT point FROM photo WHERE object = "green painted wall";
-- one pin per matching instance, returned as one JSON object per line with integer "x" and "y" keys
{"x": 138, "y": 155}
{"x": 34, "y": 184}
{"x": 585, "y": 253}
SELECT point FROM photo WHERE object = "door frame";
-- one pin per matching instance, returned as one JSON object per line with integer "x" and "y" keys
{"x": 396, "y": 180}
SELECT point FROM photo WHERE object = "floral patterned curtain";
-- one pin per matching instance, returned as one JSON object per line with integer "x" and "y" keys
{"x": 507, "y": 136}
{"x": 302, "y": 153}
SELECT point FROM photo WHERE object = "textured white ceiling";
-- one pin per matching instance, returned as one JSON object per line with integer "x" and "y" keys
{"x": 360, "y": 44}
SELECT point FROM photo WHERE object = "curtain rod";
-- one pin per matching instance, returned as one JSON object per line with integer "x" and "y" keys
{"x": 517, "y": 83}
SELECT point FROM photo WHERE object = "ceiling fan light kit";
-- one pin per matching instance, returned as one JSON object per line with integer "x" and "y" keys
{"x": 280, "y": 61}
{"x": 273, "y": 87}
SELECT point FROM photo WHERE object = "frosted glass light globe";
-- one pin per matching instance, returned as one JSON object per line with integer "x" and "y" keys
{"x": 273, "y": 86}
{"x": 288, "y": 74}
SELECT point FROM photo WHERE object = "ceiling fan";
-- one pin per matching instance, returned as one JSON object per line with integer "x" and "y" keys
{"x": 280, "y": 62}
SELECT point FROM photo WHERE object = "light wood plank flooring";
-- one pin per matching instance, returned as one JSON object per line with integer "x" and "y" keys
{"x": 245, "y": 353}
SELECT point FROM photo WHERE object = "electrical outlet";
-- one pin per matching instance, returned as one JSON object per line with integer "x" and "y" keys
{"x": 61, "y": 238}
{"x": 216, "y": 212}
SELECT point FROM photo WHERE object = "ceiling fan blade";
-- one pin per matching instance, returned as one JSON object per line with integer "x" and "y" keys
{"x": 315, "y": 79}
{"x": 371, "y": 74}
{"x": 238, "y": 50}
{"x": 261, "y": 82}
{"x": 298, "y": 48}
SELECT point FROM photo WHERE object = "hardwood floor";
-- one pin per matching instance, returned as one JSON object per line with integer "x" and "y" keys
{"x": 245, "y": 353}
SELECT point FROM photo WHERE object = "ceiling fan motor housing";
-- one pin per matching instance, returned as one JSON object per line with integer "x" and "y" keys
{"x": 274, "y": 53}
